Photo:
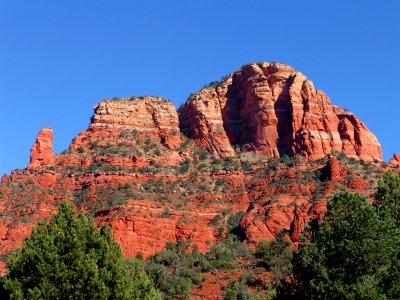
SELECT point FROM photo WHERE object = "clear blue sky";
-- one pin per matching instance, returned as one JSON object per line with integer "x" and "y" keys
{"x": 59, "y": 58}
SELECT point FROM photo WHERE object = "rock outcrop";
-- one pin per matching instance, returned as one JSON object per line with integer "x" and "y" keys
{"x": 154, "y": 116}
{"x": 145, "y": 114}
{"x": 275, "y": 110}
{"x": 395, "y": 160}
{"x": 42, "y": 154}
{"x": 334, "y": 171}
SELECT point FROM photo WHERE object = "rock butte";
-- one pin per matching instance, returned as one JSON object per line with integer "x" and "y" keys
{"x": 142, "y": 166}
{"x": 274, "y": 109}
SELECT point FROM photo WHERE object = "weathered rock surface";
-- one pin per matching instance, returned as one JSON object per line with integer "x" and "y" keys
{"x": 145, "y": 114}
{"x": 153, "y": 116}
{"x": 42, "y": 153}
{"x": 395, "y": 160}
{"x": 146, "y": 232}
{"x": 275, "y": 110}
{"x": 335, "y": 172}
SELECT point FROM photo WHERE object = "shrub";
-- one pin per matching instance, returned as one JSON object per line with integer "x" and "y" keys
{"x": 184, "y": 167}
{"x": 175, "y": 269}
{"x": 276, "y": 256}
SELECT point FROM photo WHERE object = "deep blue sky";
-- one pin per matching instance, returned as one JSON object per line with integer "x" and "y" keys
{"x": 59, "y": 58}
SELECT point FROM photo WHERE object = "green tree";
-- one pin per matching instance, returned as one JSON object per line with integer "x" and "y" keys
{"x": 353, "y": 254}
{"x": 176, "y": 269}
{"x": 276, "y": 256}
{"x": 71, "y": 259}
{"x": 388, "y": 196}
{"x": 387, "y": 201}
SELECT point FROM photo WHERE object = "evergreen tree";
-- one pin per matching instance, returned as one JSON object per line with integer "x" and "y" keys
{"x": 353, "y": 254}
{"x": 71, "y": 259}
{"x": 388, "y": 196}
{"x": 276, "y": 256}
{"x": 387, "y": 201}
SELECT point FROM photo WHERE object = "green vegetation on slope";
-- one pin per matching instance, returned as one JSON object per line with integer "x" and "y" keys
{"x": 71, "y": 259}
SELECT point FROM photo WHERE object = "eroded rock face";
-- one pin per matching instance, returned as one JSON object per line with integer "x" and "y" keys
{"x": 334, "y": 171}
{"x": 154, "y": 116}
{"x": 146, "y": 233}
{"x": 395, "y": 160}
{"x": 42, "y": 153}
{"x": 275, "y": 110}
{"x": 145, "y": 114}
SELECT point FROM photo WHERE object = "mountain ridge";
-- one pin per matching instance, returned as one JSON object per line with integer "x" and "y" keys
{"x": 230, "y": 158}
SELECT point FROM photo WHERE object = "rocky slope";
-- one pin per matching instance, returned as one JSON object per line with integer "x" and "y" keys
{"x": 216, "y": 165}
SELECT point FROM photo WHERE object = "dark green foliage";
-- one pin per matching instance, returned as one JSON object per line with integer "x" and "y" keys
{"x": 202, "y": 155}
{"x": 353, "y": 254}
{"x": 3, "y": 293}
{"x": 178, "y": 267}
{"x": 238, "y": 289}
{"x": 224, "y": 255}
{"x": 71, "y": 259}
{"x": 213, "y": 84}
{"x": 184, "y": 167}
{"x": 246, "y": 166}
{"x": 388, "y": 196}
{"x": 276, "y": 256}
{"x": 233, "y": 221}
{"x": 175, "y": 269}
{"x": 290, "y": 161}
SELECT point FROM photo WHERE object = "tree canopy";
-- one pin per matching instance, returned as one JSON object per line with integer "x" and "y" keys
{"x": 353, "y": 254}
{"x": 72, "y": 259}
{"x": 388, "y": 196}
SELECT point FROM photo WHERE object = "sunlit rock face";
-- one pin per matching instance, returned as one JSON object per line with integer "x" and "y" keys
{"x": 274, "y": 109}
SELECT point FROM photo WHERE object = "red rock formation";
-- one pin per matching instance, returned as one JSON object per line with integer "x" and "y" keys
{"x": 127, "y": 168}
{"x": 302, "y": 218}
{"x": 201, "y": 119}
{"x": 147, "y": 234}
{"x": 300, "y": 222}
{"x": 395, "y": 160}
{"x": 274, "y": 109}
{"x": 334, "y": 169}
{"x": 4, "y": 178}
{"x": 42, "y": 153}
{"x": 151, "y": 115}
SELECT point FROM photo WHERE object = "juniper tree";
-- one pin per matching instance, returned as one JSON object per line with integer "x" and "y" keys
{"x": 353, "y": 254}
{"x": 70, "y": 258}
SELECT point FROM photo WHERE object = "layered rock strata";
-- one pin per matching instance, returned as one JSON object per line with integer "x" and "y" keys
{"x": 274, "y": 110}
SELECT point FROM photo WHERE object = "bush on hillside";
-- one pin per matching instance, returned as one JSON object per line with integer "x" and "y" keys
{"x": 71, "y": 259}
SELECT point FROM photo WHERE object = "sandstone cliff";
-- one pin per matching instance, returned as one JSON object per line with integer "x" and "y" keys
{"x": 155, "y": 116}
{"x": 275, "y": 110}
{"x": 42, "y": 153}
{"x": 395, "y": 160}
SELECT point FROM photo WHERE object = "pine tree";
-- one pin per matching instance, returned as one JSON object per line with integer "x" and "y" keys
{"x": 388, "y": 196}
{"x": 353, "y": 254}
{"x": 71, "y": 259}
